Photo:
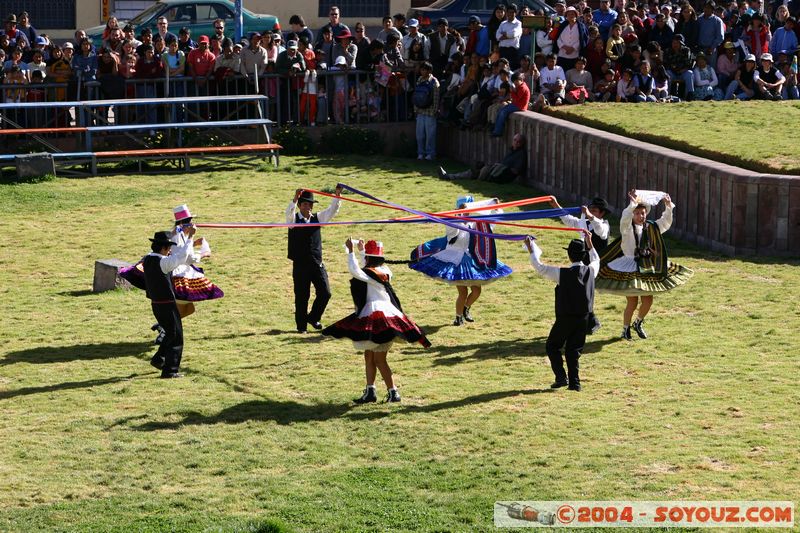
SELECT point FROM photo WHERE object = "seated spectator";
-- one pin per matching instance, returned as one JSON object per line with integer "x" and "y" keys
{"x": 789, "y": 91}
{"x": 501, "y": 100}
{"x": 679, "y": 60}
{"x": 606, "y": 87}
{"x": 727, "y": 64}
{"x": 510, "y": 169}
{"x": 553, "y": 81}
{"x": 520, "y": 98}
{"x": 632, "y": 58}
{"x": 758, "y": 35}
{"x": 595, "y": 57}
{"x": 579, "y": 83}
{"x": 706, "y": 84}
{"x": 626, "y": 89}
{"x": 661, "y": 85}
{"x": 645, "y": 84}
{"x": 743, "y": 85}
{"x": 769, "y": 80}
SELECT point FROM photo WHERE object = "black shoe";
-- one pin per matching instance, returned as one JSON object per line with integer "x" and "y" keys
{"x": 316, "y": 325}
{"x": 369, "y": 396}
{"x": 558, "y": 384}
{"x": 637, "y": 327}
{"x": 467, "y": 316}
{"x": 576, "y": 387}
{"x": 156, "y": 327}
{"x": 459, "y": 321}
{"x": 626, "y": 333}
{"x": 157, "y": 362}
{"x": 392, "y": 396}
{"x": 171, "y": 375}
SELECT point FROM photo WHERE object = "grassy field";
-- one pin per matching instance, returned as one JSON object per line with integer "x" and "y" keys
{"x": 755, "y": 135}
{"x": 262, "y": 431}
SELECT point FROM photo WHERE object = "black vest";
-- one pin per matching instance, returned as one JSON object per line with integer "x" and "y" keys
{"x": 305, "y": 243}
{"x": 769, "y": 76}
{"x": 157, "y": 284}
{"x": 358, "y": 290}
{"x": 575, "y": 291}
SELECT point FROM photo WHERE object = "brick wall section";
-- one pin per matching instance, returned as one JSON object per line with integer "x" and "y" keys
{"x": 719, "y": 207}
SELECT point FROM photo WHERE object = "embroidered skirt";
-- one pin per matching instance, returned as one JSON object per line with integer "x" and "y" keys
{"x": 189, "y": 281}
{"x": 622, "y": 277}
{"x": 465, "y": 273}
{"x": 376, "y": 328}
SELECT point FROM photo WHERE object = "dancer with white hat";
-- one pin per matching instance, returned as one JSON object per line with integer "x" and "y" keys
{"x": 378, "y": 318}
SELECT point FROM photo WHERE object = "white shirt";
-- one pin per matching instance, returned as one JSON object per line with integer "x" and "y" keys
{"x": 626, "y": 228}
{"x": 513, "y": 30}
{"x": 600, "y": 227}
{"x": 554, "y": 273}
{"x": 551, "y": 76}
{"x": 323, "y": 216}
{"x": 408, "y": 42}
{"x": 180, "y": 255}
{"x": 570, "y": 36}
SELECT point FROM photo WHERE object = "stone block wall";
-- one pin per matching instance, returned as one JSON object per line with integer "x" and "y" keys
{"x": 720, "y": 207}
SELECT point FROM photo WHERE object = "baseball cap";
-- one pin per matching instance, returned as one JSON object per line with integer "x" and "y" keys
{"x": 204, "y": 39}
{"x": 474, "y": 18}
{"x": 412, "y": 23}
{"x": 291, "y": 45}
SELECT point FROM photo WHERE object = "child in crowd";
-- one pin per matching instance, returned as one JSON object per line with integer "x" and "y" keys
{"x": 626, "y": 89}
{"x": 339, "y": 89}
{"x": 605, "y": 88}
{"x": 789, "y": 91}
{"x": 308, "y": 94}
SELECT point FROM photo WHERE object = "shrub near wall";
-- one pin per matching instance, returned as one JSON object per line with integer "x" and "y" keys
{"x": 351, "y": 140}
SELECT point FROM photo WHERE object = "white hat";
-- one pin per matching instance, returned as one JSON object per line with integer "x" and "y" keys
{"x": 181, "y": 212}
{"x": 340, "y": 61}
{"x": 750, "y": 57}
{"x": 766, "y": 57}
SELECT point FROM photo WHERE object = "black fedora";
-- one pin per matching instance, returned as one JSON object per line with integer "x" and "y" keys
{"x": 599, "y": 203}
{"x": 576, "y": 246}
{"x": 306, "y": 196}
{"x": 162, "y": 237}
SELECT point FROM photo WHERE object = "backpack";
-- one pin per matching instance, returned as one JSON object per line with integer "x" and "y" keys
{"x": 423, "y": 94}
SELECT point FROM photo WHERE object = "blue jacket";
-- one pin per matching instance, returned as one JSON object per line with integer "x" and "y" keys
{"x": 783, "y": 40}
{"x": 482, "y": 46}
{"x": 604, "y": 21}
{"x": 711, "y": 31}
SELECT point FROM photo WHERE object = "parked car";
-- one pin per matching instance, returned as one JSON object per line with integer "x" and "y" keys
{"x": 198, "y": 16}
{"x": 457, "y": 12}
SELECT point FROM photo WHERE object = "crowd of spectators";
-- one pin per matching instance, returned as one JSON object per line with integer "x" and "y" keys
{"x": 628, "y": 52}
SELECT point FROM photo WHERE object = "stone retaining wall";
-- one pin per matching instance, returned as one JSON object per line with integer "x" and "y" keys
{"x": 719, "y": 207}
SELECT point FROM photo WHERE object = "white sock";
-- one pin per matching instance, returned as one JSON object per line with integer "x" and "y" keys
{"x": 393, "y": 389}
{"x": 370, "y": 386}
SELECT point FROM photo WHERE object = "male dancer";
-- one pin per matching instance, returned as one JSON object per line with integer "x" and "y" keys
{"x": 593, "y": 219}
{"x": 158, "y": 267}
{"x": 305, "y": 251}
{"x": 574, "y": 305}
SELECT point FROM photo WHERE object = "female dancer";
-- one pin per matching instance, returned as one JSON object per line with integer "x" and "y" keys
{"x": 189, "y": 281}
{"x": 636, "y": 265}
{"x": 378, "y": 317}
{"x": 465, "y": 260}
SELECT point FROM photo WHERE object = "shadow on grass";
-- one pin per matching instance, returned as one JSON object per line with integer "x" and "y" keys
{"x": 78, "y": 293}
{"x": 282, "y": 412}
{"x": 25, "y": 391}
{"x": 504, "y": 349}
{"x": 450, "y": 404}
{"x": 86, "y": 352}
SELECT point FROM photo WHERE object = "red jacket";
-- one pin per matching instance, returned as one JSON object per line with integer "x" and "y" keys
{"x": 521, "y": 96}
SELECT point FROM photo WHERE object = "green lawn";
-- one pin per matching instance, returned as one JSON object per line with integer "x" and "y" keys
{"x": 262, "y": 431}
{"x": 760, "y": 136}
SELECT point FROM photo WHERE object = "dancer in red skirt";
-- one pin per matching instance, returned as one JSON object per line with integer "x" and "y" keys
{"x": 378, "y": 318}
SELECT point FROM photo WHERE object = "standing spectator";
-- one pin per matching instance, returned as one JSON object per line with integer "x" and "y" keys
{"x": 572, "y": 39}
{"x": 520, "y": 98}
{"x": 148, "y": 68}
{"x": 17, "y": 80}
{"x": 84, "y": 65}
{"x": 254, "y": 58}
{"x": 784, "y": 39}
{"x": 185, "y": 42}
{"x": 163, "y": 29}
{"x": 339, "y": 88}
{"x": 16, "y": 38}
{"x": 769, "y": 80}
{"x": 16, "y": 61}
{"x": 678, "y": 60}
{"x": 291, "y": 66}
{"x": 201, "y": 66}
{"x": 426, "y": 108}
{"x": 661, "y": 33}
{"x": 37, "y": 62}
{"x": 25, "y": 27}
{"x": 544, "y": 42}
{"x": 219, "y": 31}
{"x": 759, "y": 36}
{"x": 666, "y": 10}
{"x": 615, "y": 47}
{"x": 299, "y": 28}
{"x": 129, "y": 34}
{"x": 111, "y": 24}
{"x": 710, "y": 32}
{"x": 441, "y": 43}
{"x": 344, "y": 47}
{"x": 388, "y": 29}
{"x": 308, "y": 94}
{"x": 335, "y": 25}
{"x": 688, "y": 26}
{"x": 362, "y": 43}
{"x": 604, "y": 18}
{"x": 414, "y": 36}
{"x": 59, "y": 70}
{"x": 175, "y": 63}
{"x": 727, "y": 64}
{"x": 111, "y": 84}
{"x": 146, "y": 40}
{"x": 508, "y": 35}
{"x": 327, "y": 46}
{"x": 400, "y": 24}
{"x": 497, "y": 18}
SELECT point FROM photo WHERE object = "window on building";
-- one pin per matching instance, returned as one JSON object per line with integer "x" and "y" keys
{"x": 50, "y": 15}
{"x": 353, "y": 9}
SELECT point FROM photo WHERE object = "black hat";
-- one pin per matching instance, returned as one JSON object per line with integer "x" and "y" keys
{"x": 162, "y": 237}
{"x": 599, "y": 203}
{"x": 442, "y": 22}
{"x": 306, "y": 196}
{"x": 576, "y": 247}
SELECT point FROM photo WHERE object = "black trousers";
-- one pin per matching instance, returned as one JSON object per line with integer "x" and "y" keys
{"x": 569, "y": 331}
{"x": 170, "y": 351}
{"x": 511, "y": 54}
{"x": 305, "y": 273}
